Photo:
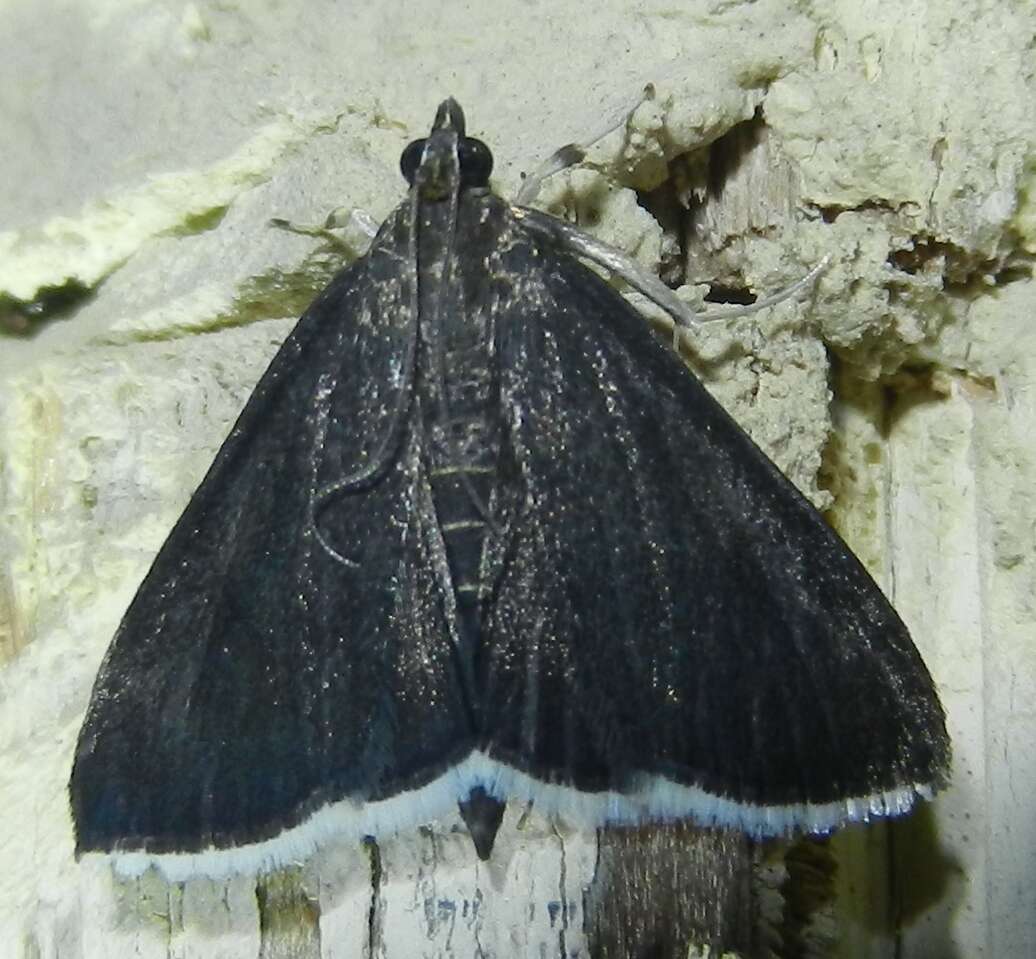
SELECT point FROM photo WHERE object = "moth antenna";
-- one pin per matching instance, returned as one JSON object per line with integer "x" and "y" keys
{"x": 736, "y": 312}
{"x": 619, "y": 264}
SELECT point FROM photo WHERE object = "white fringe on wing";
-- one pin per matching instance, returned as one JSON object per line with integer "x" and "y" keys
{"x": 655, "y": 799}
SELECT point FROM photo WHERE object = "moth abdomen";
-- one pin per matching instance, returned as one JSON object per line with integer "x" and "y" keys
{"x": 462, "y": 472}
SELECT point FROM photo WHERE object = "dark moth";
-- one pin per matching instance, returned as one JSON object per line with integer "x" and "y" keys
{"x": 478, "y": 535}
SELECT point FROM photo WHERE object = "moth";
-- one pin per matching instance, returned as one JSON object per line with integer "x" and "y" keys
{"x": 478, "y": 536}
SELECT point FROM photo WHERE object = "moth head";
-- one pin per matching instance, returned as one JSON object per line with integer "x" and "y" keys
{"x": 428, "y": 160}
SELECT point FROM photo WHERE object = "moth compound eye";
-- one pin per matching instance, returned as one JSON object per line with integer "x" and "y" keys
{"x": 410, "y": 159}
{"x": 476, "y": 162}
{"x": 474, "y": 157}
